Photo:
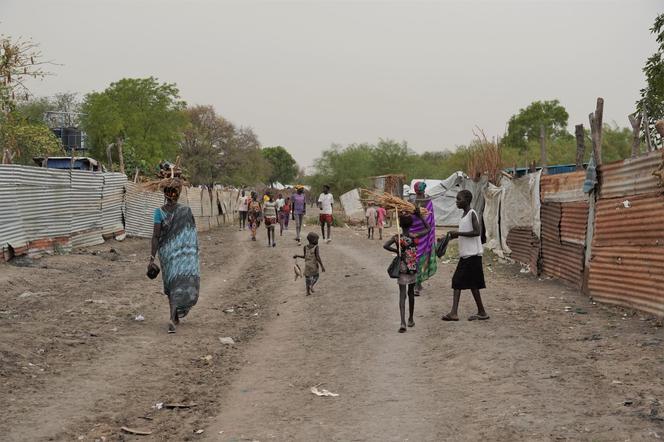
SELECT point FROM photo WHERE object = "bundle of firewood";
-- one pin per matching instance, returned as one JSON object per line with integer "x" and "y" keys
{"x": 169, "y": 175}
{"x": 389, "y": 201}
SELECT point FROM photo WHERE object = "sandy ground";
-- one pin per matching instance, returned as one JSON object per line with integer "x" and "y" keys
{"x": 75, "y": 364}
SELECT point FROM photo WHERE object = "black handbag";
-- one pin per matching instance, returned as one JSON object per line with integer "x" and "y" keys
{"x": 441, "y": 247}
{"x": 394, "y": 268}
{"x": 153, "y": 271}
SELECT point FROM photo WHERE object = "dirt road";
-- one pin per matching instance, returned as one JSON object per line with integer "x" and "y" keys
{"x": 76, "y": 365}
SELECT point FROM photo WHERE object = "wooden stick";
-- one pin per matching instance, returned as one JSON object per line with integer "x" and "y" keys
{"x": 636, "y": 133}
{"x": 580, "y": 146}
{"x": 543, "y": 158}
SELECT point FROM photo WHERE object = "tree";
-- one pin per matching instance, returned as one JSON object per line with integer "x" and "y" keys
{"x": 141, "y": 117}
{"x": 205, "y": 141}
{"x": 652, "y": 96}
{"x": 24, "y": 141}
{"x": 284, "y": 166}
{"x": 20, "y": 60}
{"x": 525, "y": 125}
{"x": 20, "y": 138}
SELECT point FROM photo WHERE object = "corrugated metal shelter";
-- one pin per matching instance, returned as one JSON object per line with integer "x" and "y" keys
{"x": 44, "y": 207}
{"x": 12, "y": 234}
{"x": 565, "y": 211}
{"x": 85, "y": 198}
{"x": 627, "y": 263}
{"x": 113, "y": 205}
{"x": 140, "y": 207}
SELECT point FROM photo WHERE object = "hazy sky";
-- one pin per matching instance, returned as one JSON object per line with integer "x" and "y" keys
{"x": 306, "y": 74}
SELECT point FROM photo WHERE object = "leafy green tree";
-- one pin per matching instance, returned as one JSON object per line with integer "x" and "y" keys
{"x": 143, "y": 118}
{"x": 24, "y": 140}
{"x": 525, "y": 126}
{"x": 284, "y": 166}
{"x": 205, "y": 141}
{"x": 652, "y": 96}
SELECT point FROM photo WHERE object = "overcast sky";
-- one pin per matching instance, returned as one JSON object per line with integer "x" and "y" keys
{"x": 306, "y": 74}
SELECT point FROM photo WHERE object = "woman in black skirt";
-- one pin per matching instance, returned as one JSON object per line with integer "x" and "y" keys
{"x": 469, "y": 274}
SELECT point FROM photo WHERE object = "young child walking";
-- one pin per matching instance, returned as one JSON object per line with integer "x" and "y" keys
{"x": 469, "y": 274}
{"x": 381, "y": 214}
{"x": 312, "y": 260}
{"x": 284, "y": 215}
{"x": 372, "y": 217}
{"x": 270, "y": 215}
{"x": 406, "y": 249}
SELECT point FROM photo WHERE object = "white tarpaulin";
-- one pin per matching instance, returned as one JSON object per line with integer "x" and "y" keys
{"x": 352, "y": 205}
{"x": 520, "y": 205}
{"x": 443, "y": 195}
{"x": 492, "y": 198}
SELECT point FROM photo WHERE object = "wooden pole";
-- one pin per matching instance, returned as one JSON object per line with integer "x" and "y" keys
{"x": 120, "y": 155}
{"x": 636, "y": 133}
{"x": 595, "y": 119}
{"x": 580, "y": 145}
{"x": 543, "y": 158}
{"x": 109, "y": 152}
{"x": 646, "y": 131}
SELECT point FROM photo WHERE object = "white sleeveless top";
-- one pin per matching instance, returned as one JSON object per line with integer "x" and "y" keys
{"x": 469, "y": 246}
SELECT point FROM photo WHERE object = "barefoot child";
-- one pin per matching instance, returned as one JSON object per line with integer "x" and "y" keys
{"x": 408, "y": 264}
{"x": 381, "y": 214}
{"x": 371, "y": 216}
{"x": 469, "y": 273}
{"x": 311, "y": 261}
{"x": 270, "y": 215}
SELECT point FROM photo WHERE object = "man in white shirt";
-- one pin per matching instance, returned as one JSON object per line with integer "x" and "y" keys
{"x": 325, "y": 203}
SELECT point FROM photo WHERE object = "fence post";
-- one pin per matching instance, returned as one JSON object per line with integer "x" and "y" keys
{"x": 636, "y": 133}
{"x": 580, "y": 145}
{"x": 543, "y": 158}
{"x": 596, "y": 130}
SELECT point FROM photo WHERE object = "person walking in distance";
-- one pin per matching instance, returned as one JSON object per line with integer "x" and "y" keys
{"x": 407, "y": 252}
{"x": 469, "y": 274}
{"x": 270, "y": 216}
{"x": 285, "y": 214}
{"x": 381, "y": 214}
{"x": 372, "y": 217}
{"x": 299, "y": 210}
{"x": 280, "y": 201}
{"x": 255, "y": 212}
{"x": 326, "y": 204}
{"x": 243, "y": 207}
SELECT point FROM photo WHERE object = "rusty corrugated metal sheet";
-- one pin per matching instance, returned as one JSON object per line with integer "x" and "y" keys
{"x": 631, "y": 276}
{"x": 564, "y": 261}
{"x": 574, "y": 222}
{"x": 639, "y": 224}
{"x": 550, "y": 215}
{"x": 560, "y": 258}
{"x": 632, "y": 176}
{"x": 112, "y": 204}
{"x": 525, "y": 247}
{"x": 563, "y": 187}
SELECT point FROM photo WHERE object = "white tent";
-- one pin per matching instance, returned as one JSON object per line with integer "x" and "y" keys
{"x": 443, "y": 195}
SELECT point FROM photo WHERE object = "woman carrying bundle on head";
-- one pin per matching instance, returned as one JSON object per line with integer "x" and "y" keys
{"x": 175, "y": 238}
{"x": 426, "y": 247}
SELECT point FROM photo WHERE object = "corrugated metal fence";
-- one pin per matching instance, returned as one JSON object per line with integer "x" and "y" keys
{"x": 627, "y": 263}
{"x": 50, "y": 210}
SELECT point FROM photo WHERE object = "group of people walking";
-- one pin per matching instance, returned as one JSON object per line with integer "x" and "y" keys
{"x": 175, "y": 241}
{"x": 415, "y": 247}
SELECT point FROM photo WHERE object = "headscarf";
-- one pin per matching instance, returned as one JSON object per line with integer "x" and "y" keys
{"x": 420, "y": 186}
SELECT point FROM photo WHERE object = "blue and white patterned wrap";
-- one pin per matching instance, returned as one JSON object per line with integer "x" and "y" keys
{"x": 178, "y": 255}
